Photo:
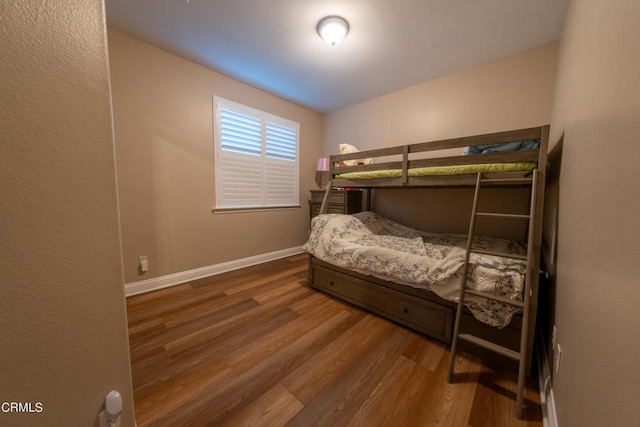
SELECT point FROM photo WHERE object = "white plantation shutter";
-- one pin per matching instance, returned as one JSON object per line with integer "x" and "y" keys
{"x": 239, "y": 160}
{"x": 256, "y": 158}
{"x": 281, "y": 164}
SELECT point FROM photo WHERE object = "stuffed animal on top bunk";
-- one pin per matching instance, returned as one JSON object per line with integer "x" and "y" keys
{"x": 348, "y": 149}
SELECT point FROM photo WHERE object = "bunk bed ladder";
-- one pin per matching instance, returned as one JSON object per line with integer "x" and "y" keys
{"x": 519, "y": 356}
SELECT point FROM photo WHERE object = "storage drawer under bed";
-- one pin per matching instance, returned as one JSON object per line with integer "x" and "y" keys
{"x": 416, "y": 313}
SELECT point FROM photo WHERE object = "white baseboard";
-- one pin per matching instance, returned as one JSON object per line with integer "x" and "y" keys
{"x": 547, "y": 401}
{"x": 156, "y": 283}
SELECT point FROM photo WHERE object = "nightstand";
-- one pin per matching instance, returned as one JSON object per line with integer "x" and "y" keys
{"x": 340, "y": 202}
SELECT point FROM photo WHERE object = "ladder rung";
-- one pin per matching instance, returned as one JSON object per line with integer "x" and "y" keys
{"x": 507, "y": 352}
{"x": 503, "y": 215}
{"x": 508, "y": 180}
{"x": 494, "y": 297}
{"x": 502, "y": 254}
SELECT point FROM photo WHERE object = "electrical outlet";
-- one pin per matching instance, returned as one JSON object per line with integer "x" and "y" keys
{"x": 102, "y": 421}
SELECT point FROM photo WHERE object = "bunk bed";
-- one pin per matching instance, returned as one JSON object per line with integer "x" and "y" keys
{"x": 514, "y": 158}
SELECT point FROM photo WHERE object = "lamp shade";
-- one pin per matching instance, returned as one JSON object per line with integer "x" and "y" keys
{"x": 323, "y": 164}
{"x": 333, "y": 29}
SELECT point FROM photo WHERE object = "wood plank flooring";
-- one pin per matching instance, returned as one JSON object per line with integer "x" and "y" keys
{"x": 259, "y": 347}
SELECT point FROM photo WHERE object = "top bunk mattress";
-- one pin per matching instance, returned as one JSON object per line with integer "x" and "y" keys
{"x": 442, "y": 170}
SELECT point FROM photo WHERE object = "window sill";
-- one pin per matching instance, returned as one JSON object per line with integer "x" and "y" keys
{"x": 254, "y": 209}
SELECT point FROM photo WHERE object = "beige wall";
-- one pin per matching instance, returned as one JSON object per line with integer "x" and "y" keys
{"x": 515, "y": 92}
{"x": 597, "y": 106}
{"x": 62, "y": 305}
{"x": 511, "y": 93}
{"x": 164, "y": 148}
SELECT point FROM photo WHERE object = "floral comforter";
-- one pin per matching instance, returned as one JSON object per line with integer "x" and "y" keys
{"x": 370, "y": 244}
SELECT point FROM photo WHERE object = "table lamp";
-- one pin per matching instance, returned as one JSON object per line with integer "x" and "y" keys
{"x": 323, "y": 173}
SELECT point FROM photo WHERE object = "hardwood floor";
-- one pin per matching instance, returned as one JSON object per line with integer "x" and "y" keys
{"x": 259, "y": 347}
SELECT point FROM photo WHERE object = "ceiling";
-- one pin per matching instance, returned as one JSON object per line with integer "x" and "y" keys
{"x": 392, "y": 44}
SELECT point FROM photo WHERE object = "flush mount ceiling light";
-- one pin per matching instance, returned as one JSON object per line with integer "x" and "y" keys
{"x": 333, "y": 29}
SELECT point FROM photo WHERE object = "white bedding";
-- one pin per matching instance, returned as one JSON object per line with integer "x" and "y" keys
{"x": 370, "y": 244}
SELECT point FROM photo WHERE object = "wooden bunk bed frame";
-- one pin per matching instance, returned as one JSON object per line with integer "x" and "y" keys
{"x": 419, "y": 309}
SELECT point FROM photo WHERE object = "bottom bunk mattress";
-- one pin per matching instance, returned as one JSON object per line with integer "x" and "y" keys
{"x": 373, "y": 245}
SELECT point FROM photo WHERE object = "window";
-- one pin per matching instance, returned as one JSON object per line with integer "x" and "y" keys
{"x": 256, "y": 158}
